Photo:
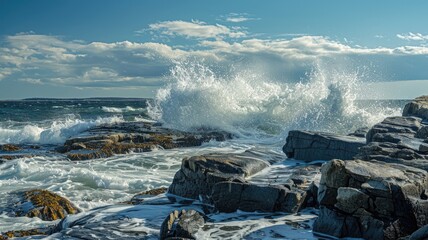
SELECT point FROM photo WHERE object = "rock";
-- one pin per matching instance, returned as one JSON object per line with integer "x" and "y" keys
{"x": 232, "y": 196}
{"x": 43, "y": 204}
{"x": 371, "y": 200}
{"x": 10, "y": 148}
{"x": 199, "y": 174}
{"x": 360, "y": 132}
{"x": 418, "y": 108}
{"x": 27, "y": 233}
{"x": 309, "y": 146}
{"x": 181, "y": 225}
{"x": 121, "y": 138}
{"x": 394, "y": 126}
{"x": 395, "y": 153}
{"x": 139, "y": 198}
{"x": 420, "y": 234}
{"x": 422, "y": 132}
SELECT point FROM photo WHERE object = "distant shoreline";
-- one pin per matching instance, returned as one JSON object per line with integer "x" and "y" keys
{"x": 80, "y": 99}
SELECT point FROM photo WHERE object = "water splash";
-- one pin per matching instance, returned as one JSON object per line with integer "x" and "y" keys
{"x": 57, "y": 132}
{"x": 247, "y": 101}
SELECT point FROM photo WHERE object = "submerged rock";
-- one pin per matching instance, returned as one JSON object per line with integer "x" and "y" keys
{"x": 43, "y": 204}
{"x": 418, "y": 108}
{"x": 181, "y": 224}
{"x": 140, "y": 197}
{"x": 10, "y": 148}
{"x": 371, "y": 200}
{"x": 121, "y": 138}
{"x": 27, "y": 233}
{"x": 309, "y": 146}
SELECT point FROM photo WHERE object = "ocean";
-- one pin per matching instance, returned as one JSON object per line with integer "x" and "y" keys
{"x": 259, "y": 113}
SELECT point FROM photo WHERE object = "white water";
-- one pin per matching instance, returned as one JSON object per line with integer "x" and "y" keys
{"x": 121, "y": 110}
{"x": 245, "y": 100}
{"x": 54, "y": 133}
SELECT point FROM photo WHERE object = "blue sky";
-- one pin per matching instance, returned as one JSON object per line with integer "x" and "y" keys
{"x": 126, "y": 48}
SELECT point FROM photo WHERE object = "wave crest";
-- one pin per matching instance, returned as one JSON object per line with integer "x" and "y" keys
{"x": 247, "y": 101}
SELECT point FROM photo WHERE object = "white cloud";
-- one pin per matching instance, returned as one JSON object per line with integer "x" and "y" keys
{"x": 195, "y": 29}
{"x": 42, "y": 59}
{"x": 413, "y": 36}
{"x": 237, "y": 17}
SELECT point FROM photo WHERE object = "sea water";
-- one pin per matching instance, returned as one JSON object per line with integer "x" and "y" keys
{"x": 259, "y": 112}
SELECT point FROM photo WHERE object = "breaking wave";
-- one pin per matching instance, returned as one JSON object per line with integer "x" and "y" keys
{"x": 57, "y": 132}
{"x": 121, "y": 110}
{"x": 326, "y": 100}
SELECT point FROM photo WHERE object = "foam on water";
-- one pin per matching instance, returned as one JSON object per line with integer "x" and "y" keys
{"x": 121, "y": 110}
{"x": 246, "y": 100}
{"x": 57, "y": 132}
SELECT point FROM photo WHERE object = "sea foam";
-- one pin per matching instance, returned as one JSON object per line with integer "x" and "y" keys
{"x": 57, "y": 132}
{"x": 246, "y": 100}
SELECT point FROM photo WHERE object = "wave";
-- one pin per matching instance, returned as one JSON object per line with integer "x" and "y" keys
{"x": 326, "y": 100}
{"x": 121, "y": 110}
{"x": 55, "y": 133}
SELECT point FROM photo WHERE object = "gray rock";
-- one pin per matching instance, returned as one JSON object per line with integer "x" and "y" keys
{"x": 418, "y": 107}
{"x": 393, "y": 127}
{"x": 199, "y": 174}
{"x": 371, "y": 200}
{"x": 181, "y": 224}
{"x": 360, "y": 132}
{"x": 309, "y": 146}
{"x": 422, "y": 132}
{"x": 231, "y": 196}
{"x": 420, "y": 234}
{"x": 351, "y": 199}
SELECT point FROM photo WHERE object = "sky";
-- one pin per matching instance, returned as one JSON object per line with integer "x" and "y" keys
{"x": 100, "y": 48}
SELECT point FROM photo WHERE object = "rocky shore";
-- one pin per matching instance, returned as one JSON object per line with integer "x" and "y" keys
{"x": 372, "y": 184}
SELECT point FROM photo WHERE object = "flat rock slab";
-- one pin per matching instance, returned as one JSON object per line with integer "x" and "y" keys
{"x": 121, "y": 138}
{"x": 199, "y": 174}
{"x": 371, "y": 200}
{"x": 310, "y": 146}
{"x": 418, "y": 108}
{"x": 232, "y": 196}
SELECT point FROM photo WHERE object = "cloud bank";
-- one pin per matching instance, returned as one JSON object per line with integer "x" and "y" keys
{"x": 44, "y": 59}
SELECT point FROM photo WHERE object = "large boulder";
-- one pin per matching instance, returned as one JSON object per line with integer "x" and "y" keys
{"x": 309, "y": 146}
{"x": 418, "y": 107}
{"x": 371, "y": 200}
{"x": 181, "y": 224}
{"x": 199, "y": 174}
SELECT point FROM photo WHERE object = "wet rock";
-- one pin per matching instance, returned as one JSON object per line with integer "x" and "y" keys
{"x": 360, "y": 132}
{"x": 418, "y": 108}
{"x": 396, "y": 153}
{"x": 181, "y": 224}
{"x": 420, "y": 234}
{"x": 199, "y": 174}
{"x": 422, "y": 132}
{"x": 43, "y": 204}
{"x": 121, "y": 138}
{"x": 391, "y": 129}
{"x": 27, "y": 233}
{"x": 232, "y": 196}
{"x": 371, "y": 200}
{"x": 10, "y": 148}
{"x": 140, "y": 197}
{"x": 309, "y": 146}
